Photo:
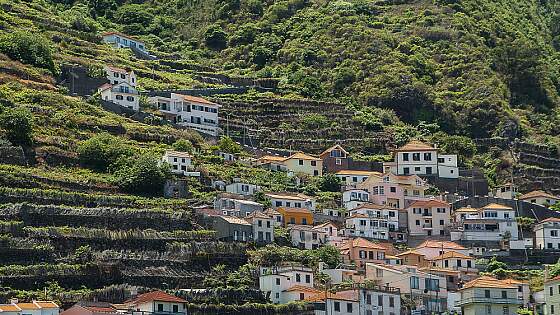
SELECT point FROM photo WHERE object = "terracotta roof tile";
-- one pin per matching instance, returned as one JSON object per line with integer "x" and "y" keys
{"x": 441, "y": 244}
{"x": 416, "y": 145}
{"x": 451, "y": 254}
{"x": 488, "y": 282}
{"x": 301, "y": 288}
{"x": 303, "y": 156}
{"x": 155, "y": 296}
{"x": 428, "y": 203}
{"x": 349, "y": 295}
{"x": 362, "y": 243}
{"x": 537, "y": 194}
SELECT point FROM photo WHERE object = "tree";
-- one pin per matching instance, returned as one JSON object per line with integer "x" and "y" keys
{"x": 227, "y": 145}
{"x": 142, "y": 174}
{"x": 29, "y": 48}
{"x": 100, "y": 151}
{"x": 328, "y": 254}
{"x": 329, "y": 182}
{"x": 17, "y": 125}
{"x": 494, "y": 264}
{"x": 183, "y": 145}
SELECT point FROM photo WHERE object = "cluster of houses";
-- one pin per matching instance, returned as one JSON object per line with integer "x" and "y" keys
{"x": 382, "y": 208}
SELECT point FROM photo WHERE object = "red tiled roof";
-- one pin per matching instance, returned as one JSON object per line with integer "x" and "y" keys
{"x": 46, "y": 304}
{"x": 536, "y": 194}
{"x": 349, "y": 295}
{"x": 301, "y": 288}
{"x": 104, "y": 87}
{"x": 488, "y": 282}
{"x": 117, "y": 69}
{"x": 362, "y": 243}
{"x": 551, "y": 219}
{"x": 99, "y": 309}
{"x": 155, "y": 296}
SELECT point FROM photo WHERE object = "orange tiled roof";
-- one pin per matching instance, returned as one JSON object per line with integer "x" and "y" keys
{"x": 303, "y": 156}
{"x": 488, "y": 282}
{"x": 416, "y": 145}
{"x": 429, "y": 203}
{"x": 9, "y": 308}
{"x": 28, "y": 306}
{"x": 349, "y": 295}
{"x": 155, "y": 296}
{"x": 451, "y": 254}
{"x": 195, "y": 99}
{"x": 301, "y": 288}
{"x": 362, "y": 243}
{"x": 46, "y": 304}
{"x": 294, "y": 210}
{"x": 536, "y": 194}
{"x": 551, "y": 219}
{"x": 441, "y": 244}
{"x": 361, "y": 173}
{"x": 497, "y": 206}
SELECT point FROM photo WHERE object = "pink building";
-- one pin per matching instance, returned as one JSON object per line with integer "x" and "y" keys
{"x": 397, "y": 191}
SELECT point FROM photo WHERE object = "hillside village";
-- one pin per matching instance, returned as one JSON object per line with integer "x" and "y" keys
{"x": 200, "y": 211}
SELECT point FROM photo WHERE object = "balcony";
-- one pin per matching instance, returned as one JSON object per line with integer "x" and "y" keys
{"x": 427, "y": 226}
{"x": 490, "y": 300}
{"x": 426, "y": 214}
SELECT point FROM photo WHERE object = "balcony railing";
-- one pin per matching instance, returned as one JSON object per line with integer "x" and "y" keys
{"x": 427, "y": 226}
{"x": 426, "y": 214}
{"x": 490, "y": 300}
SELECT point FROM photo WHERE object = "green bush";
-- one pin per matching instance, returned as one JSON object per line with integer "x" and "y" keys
{"x": 142, "y": 174}
{"x": 183, "y": 145}
{"x": 102, "y": 150}
{"x": 17, "y": 125}
{"x": 215, "y": 37}
{"x": 29, "y": 48}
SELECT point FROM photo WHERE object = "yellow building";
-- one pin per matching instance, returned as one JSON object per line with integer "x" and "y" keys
{"x": 299, "y": 216}
{"x": 489, "y": 296}
{"x": 298, "y": 162}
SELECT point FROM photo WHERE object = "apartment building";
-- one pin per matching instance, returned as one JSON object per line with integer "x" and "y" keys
{"x": 429, "y": 217}
{"x": 283, "y": 284}
{"x": 492, "y": 222}
{"x": 547, "y": 234}
{"x": 487, "y": 295}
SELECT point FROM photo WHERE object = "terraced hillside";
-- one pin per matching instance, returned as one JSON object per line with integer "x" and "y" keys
{"x": 306, "y": 125}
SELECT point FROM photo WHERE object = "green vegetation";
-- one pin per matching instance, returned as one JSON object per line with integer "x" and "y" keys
{"x": 17, "y": 125}
{"x": 33, "y": 49}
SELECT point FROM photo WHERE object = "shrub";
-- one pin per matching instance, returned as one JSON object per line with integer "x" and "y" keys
{"x": 329, "y": 182}
{"x": 226, "y": 144}
{"x": 142, "y": 174}
{"x": 17, "y": 125}
{"x": 102, "y": 150}
{"x": 183, "y": 145}
{"x": 28, "y": 48}
{"x": 215, "y": 37}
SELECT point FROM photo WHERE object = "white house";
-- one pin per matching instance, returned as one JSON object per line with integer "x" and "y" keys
{"x": 263, "y": 227}
{"x": 420, "y": 158}
{"x": 331, "y": 230}
{"x": 283, "y": 284}
{"x": 237, "y": 207}
{"x": 431, "y": 249}
{"x": 156, "y": 302}
{"x": 505, "y": 191}
{"x": 31, "y": 308}
{"x": 547, "y": 234}
{"x": 539, "y": 197}
{"x": 487, "y": 295}
{"x": 297, "y": 163}
{"x": 493, "y": 222}
{"x": 275, "y": 215}
{"x": 117, "y": 75}
{"x": 181, "y": 162}
{"x": 119, "y": 40}
{"x": 291, "y": 200}
{"x": 351, "y": 177}
{"x": 367, "y": 300}
{"x": 122, "y": 93}
{"x": 428, "y": 217}
{"x": 307, "y": 237}
{"x": 380, "y": 212}
{"x": 361, "y": 225}
{"x": 427, "y": 290}
{"x": 190, "y": 111}
{"x": 352, "y": 198}
{"x": 242, "y": 188}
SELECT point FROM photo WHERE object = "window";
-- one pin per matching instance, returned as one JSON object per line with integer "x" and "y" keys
{"x": 459, "y": 263}
{"x": 278, "y": 203}
{"x": 391, "y": 214}
{"x": 469, "y": 264}
{"x": 313, "y": 163}
{"x": 441, "y": 222}
{"x": 337, "y": 306}
{"x": 417, "y": 169}
{"x": 417, "y": 222}
{"x": 427, "y": 156}
{"x": 406, "y": 170}
{"x": 288, "y": 204}
{"x": 307, "y": 278}
{"x": 405, "y": 156}
{"x": 314, "y": 236}
{"x": 416, "y": 156}
{"x": 119, "y": 97}
{"x": 505, "y": 310}
{"x": 292, "y": 220}
{"x": 432, "y": 284}
{"x": 368, "y": 299}
{"x": 304, "y": 221}
{"x": 391, "y": 301}
{"x": 338, "y": 162}
{"x": 504, "y": 294}
{"x": 551, "y": 309}
{"x": 488, "y": 309}
{"x": 259, "y": 222}
{"x": 160, "y": 307}
{"x": 380, "y": 300}
{"x": 301, "y": 296}
{"x": 175, "y": 308}
{"x": 277, "y": 281}
{"x": 550, "y": 291}
{"x": 487, "y": 294}
{"x": 349, "y": 308}
{"x": 298, "y": 277}
{"x": 428, "y": 170}
{"x": 315, "y": 173}
{"x": 355, "y": 179}
{"x": 393, "y": 189}
{"x": 414, "y": 282}
{"x": 554, "y": 233}
{"x": 300, "y": 162}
